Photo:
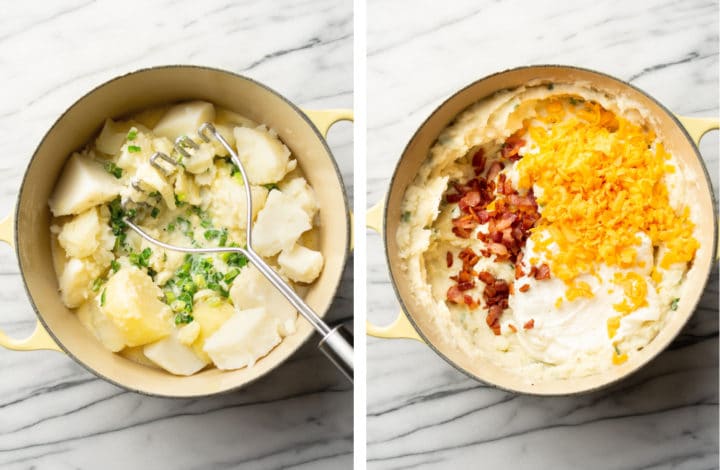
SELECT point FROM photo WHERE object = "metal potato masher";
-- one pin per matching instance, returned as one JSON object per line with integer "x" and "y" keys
{"x": 336, "y": 343}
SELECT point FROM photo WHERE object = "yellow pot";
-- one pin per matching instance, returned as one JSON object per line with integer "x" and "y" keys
{"x": 28, "y": 228}
{"x": 681, "y": 137}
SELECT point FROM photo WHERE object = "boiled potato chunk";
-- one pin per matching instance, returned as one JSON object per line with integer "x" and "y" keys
{"x": 83, "y": 184}
{"x": 100, "y": 325}
{"x": 300, "y": 191}
{"x": 210, "y": 318}
{"x": 228, "y": 207}
{"x": 112, "y": 136}
{"x": 265, "y": 158}
{"x": 173, "y": 356}
{"x": 279, "y": 224}
{"x": 189, "y": 333}
{"x": 246, "y": 337}
{"x": 184, "y": 119}
{"x": 301, "y": 264}
{"x": 132, "y": 302}
{"x": 81, "y": 236}
{"x": 76, "y": 281}
{"x": 201, "y": 159}
{"x": 251, "y": 289}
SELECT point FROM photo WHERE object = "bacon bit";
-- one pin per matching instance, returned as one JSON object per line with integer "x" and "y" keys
{"x": 471, "y": 199}
{"x": 524, "y": 288}
{"x": 543, "y": 272}
{"x": 511, "y": 148}
{"x": 493, "y": 318}
{"x": 478, "y": 161}
{"x": 494, "y": 170}
{"x": 529, "y": 325}
{"x": 512, "y": 288}
{"x": 486, "y": 277}
{"x": 449, "y": 259}
{"x": 461, "y": 233}
{"x": 466, "y": 285}
{"x": 512, "y": 327}
{"x": 533, "y": 271}
{"x": 470, "y": 302}
{"x": 454, "y": 295}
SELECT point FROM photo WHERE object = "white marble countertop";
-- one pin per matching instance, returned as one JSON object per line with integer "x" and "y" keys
{"x": 422, "y": 413}
{"x": 53, "y": 413}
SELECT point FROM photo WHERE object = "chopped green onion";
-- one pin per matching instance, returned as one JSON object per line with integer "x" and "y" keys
{"x": 154, "y": 212}
{"x": 406, "y": 216}
{"x": 113, "y": 169}
{"x": 97, "y": 283}
{"x": 171, "y": 227}
{"x": 271, "y": 186}
{"x": 102, "y": 298}
{"x": 674, "y": 303}
{"x": 114, "y": 265}
{"x": 133, "y": 148}
{"x": 181, "y": 318}
{"x": 132, "y": 134}
{"x": 231, "y": 275}
{"x": 180, "y": 200}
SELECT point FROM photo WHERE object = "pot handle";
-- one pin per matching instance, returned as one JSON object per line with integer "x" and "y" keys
{"x": 400, "y": 328}
{"x": 698, "y": 127}
{"x": 39, "y": 338}
{"x": 325, "y": 118}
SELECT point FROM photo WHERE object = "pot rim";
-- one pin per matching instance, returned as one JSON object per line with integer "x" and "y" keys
{"x": 394, "y": 282}
{"x": 16, "y": 215}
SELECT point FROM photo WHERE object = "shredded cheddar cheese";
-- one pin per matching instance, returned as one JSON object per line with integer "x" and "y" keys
{"x": 635, "y": 289}
{"x": 578, "y": 289}
{"x": 618, "y": 359}
{"x": 613, "y": 324}
{"x": 602, "y": 182}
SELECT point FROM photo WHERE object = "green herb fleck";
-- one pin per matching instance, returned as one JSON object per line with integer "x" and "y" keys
{"x": 132, "y": 134}
{"x": 140, "y": 259}
{"x": 674, "y": 303}
{"x": 113, "y": 169}
{"x": 617, "y": 350}
{"x": 102, "y": 298}
{"x": 406, "y": 216}
{"x": 155, "y": 194}
{"x": 133, "y": 148}
{"x": 211, "y": 234}
{"x": 171, "y": 227}
{"x": 271, "y": 186}
{"x": 97, "y": 283}
{"x": 179, "y": 200}
{"x": 182, "y": 318}
{"x": 114, "y": 265}
{"x": 231, "y": 275}
{"x": 154, "y": 212}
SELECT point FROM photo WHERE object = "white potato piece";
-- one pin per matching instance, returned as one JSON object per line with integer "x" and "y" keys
{"x": 189, "y": 333}
{"x": 246, "y": 337}
{"x": 100, "y": 325}
{"x": 186, "y": 189}
{"x": 184, "y": 119}
{"x": 301, "y": 264}
{"x": 299, "y": 190}
{"x": 112, "y": 136}
{"x": 250, "y": 289}
{"x": 210, "y": 317}
{"x": 84, "y": 183}
{"x": 132, "y": 302}
{"x": 228, "y": 118}
{"x": 265, "y": 158}
{"x": 173, "y": 356}
{"x": 76, "y": 281}
{"x": 201, "y": 159}
{"x": 80, "y": 237}
{"x": 279, "y": 224}
{"x": 227, "y": 205}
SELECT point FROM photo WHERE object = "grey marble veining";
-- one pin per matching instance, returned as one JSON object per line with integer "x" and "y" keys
{"x": 54, "y": 414}
{"x": 422, "y": 413}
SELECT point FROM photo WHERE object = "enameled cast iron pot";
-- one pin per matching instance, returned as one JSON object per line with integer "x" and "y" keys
{"x": 28, "y": 227}
{"x": 681, "y": 136}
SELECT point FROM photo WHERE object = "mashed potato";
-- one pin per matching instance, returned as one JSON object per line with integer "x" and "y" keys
{"x": 546, "y": 231}
{"x": 176, "y": 311}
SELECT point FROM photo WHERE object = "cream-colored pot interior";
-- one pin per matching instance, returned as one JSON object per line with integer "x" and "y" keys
{"x": 131, "y": 93}
{"x": 676, "y": 140}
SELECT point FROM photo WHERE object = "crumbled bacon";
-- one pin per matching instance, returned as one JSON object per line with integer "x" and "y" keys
{"x": 508, "y": 220}
{"x": 454, "y": 295}
{"x": 493, "y": 318}
{"x": 529, "y": 324}
{"x": 543, "y": 272}
{"x": 512, "y": 327}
